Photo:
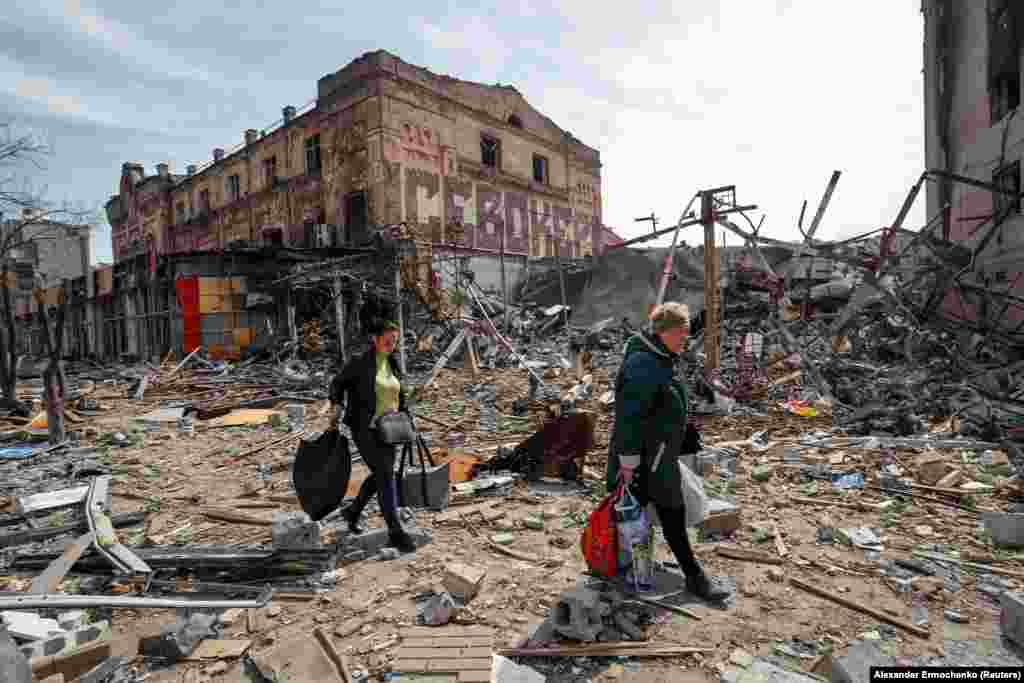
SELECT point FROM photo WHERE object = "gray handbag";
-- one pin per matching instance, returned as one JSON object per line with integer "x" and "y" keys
{"x": 395, "y": 428}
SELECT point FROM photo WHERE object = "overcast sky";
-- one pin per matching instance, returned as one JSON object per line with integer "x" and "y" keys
{"x": 771, "y": 96}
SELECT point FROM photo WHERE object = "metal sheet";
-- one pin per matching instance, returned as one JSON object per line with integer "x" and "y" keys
{"x": 97, "y": 506}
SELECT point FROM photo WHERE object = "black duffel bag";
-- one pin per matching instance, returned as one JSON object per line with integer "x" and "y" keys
{"x": 321, "y": 473}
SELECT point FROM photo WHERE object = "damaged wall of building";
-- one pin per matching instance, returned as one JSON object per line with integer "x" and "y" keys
{"x": 973, "y": 65}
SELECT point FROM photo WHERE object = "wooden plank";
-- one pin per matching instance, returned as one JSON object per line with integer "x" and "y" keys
{"x": 219, "y": 649}
{"x": 444, "y": 631}
{"x": 747, "y": 555}
{"x": 72, "y": 664}
{"x": 223, "y": 515}
{"x": 474, "y": 677}
{"x": 51, "y": 577}
{"x": 464, "y": 641}
{"x": 443, "y": 652}
{"x": 663, "y": 605}
{"x": 338, "y": 660}
{"x": 605, "y": 650}
{"x": 442, "y": 665}
{"x": 858, "y": 607}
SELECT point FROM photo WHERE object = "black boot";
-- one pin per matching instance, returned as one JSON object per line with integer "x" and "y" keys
{"x": 705, "y": 589}
{"x": 401, "y": 540}
{"x": 351, "y": 515}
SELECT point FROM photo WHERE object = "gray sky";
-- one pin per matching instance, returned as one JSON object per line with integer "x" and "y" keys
{"x": 771, "y": 95}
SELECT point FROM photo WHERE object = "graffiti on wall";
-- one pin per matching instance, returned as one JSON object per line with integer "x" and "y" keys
{"x": 418, "y": 147}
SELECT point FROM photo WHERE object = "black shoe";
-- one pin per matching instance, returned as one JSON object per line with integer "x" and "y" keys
{"x": 402, "y": 541}
{"x": 352, "y": 518}
{"x": 705, "y": 589}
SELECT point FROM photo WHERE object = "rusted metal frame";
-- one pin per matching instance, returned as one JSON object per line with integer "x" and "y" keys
{"x": 686, "y": 224}
{"x": 670, "y": 257}
{"x": 815, "y": 222}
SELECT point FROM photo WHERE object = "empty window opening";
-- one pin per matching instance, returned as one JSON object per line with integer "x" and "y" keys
{"x": 1006, "y": 18}
{"x": 540, "y": 169}
{"x": 313, "y": 154}
{"x": 270, "y": 171}
{"x": 490, "y": 151}
{"x": 234, "y": 187}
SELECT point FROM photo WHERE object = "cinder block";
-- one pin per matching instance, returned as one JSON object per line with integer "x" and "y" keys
{"x": 438, "y": 487}
{"x": 66, "y": 642}
{"x": 463, "y": 581}
{"x": 1012, "y": 618}
{"x": 294, "y": 531}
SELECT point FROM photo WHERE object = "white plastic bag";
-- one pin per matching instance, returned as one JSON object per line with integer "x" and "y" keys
{"x": 694, "y": 498}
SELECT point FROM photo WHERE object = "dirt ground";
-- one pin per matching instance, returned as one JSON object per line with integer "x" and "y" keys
{"x": 373, "y": 599}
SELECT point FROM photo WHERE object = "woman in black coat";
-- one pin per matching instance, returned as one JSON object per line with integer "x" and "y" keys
{"x": 373, "y": 386}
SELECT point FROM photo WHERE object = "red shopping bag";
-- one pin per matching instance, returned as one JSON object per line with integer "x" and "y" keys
{"x": 600, "y": 540}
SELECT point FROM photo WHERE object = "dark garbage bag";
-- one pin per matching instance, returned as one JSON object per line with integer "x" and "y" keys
{"x": 321, "y": 473}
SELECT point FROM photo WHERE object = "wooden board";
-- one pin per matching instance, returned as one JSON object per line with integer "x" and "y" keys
{"x": 48, "y": 581}
{"x": 220, "y": 649}
{"x": 465, "y": 651}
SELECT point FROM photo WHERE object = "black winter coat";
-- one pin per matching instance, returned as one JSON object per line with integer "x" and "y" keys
{"x": 358, "y": 379}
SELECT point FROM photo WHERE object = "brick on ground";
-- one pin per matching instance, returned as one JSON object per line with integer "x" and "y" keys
{"x": 463, "y": 581}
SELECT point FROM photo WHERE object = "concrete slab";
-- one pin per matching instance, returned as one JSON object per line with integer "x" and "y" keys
{"x": 1007, "y": 529}
{"x": 761, "y": 671}
{"x": 51, "y": 499}
{"x": 507, "y": 671}
{"x": 1012, "y": 619}
{"x": 29, "y": 625}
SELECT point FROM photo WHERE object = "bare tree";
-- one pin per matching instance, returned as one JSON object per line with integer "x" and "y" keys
{"x": 53, "y": 377}
{"x": 34, "y": 220}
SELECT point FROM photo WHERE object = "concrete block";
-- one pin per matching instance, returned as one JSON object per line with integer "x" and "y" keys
{"x": 30, "y": 626}
{"x": 577, "y": 614}
{"x": 506, "y": 671}
{"x": 463, "y": 581}
{"x": 438, "y": 487}
{"x": 1006, "y": 528}
{"x": 855, "y": 664}
{"x": 68, "y": 641}
{"x": 294, "y": 531}
{"x": 1012, "y": 618}
{"x": 69, "y": 621}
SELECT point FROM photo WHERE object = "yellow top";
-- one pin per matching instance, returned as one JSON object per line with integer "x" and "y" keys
{"x": 388, "y": 386}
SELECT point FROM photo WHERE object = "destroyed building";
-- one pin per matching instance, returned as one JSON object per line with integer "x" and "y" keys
{"x": 466, "y": 168}
{"x": 49, "y": 253}
{"x": 972, "y": 69}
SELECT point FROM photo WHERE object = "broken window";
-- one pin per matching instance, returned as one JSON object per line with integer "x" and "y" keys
{"x": 270, "y": 171}
{"x": 540, "y": 169}
{"x": 313, "y": 154}
{"x": 179, "y": 210}
{"x": 204, "y": 201}
{"x": 1007, "y": 178}
{"x": 234, "y": 187}
{"x": 490, "y": 151}
{"x": 1006, "y": 25}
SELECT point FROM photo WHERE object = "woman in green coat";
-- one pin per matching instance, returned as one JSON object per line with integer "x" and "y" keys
{"x": 650, "y": 423}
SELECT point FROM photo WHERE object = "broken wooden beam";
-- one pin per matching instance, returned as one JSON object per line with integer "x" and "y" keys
{"x": 224, "y": 515}
{"x": 626, "y": 649}
{"x": 748, "y": 555}
{"x": 780, "y": 545}
{"x": 51, "y": 577}
{"x": 858, "y": 607}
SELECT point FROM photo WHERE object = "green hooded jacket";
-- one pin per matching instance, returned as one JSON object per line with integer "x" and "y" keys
{"x": 650, "y": 422}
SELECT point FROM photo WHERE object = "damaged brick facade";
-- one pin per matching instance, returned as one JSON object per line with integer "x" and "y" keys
{"x": 386, "y": 142}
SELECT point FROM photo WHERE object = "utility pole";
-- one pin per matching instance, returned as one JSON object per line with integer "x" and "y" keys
{"x": 712, "y": 309}
{"x": 652, "y": 218}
